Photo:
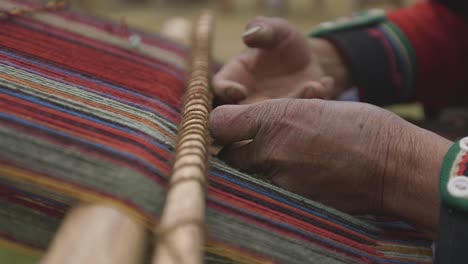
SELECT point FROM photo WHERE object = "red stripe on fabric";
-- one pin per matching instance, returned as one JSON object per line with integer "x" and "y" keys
{"x": 82, "y": 126}
{"x": 269, "y": 226}
{"x": 102, "y": 155}
{"x": 87, "y": 151}
{"x": 88, "y": 135}
{"x": 171, "y": 115}
{"x": 27, "y": 201}
{"x": 131, "y": 55}
{"x": 296, "y": 210}
{"x": 294, "y": 222}
{"x": 462, "y": 165}
{"x": 93, "y": 62}
{"x": 119, "y": 30}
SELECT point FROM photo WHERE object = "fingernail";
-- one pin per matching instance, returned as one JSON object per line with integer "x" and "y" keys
{"x": 327, "y": 82}
{"x": 240, "y": 144}
{"x": 310, "y": 92}
{"x": 251, "y": 31}
{"x": 234, "y": 94}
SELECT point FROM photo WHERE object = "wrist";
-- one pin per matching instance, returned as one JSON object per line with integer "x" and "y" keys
{"x": 411, "y": 176}
{"x": 332, "y": 63}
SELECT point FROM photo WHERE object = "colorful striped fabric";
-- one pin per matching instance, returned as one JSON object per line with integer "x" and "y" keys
{"x": 87, "y": 116}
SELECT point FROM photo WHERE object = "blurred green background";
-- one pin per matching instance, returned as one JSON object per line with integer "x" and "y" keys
{"x": 151, "y": 15}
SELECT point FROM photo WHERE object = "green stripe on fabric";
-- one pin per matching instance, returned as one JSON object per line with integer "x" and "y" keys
{"x": 280, "y": 247}
{"x": 26, "y": 225}
{"x": 31, "y": 227}
{"x": 13, "y": 257}
{"x": 61, "y": 162}
{"x": 160, "y": 122}
{"x": 132, "y": 186}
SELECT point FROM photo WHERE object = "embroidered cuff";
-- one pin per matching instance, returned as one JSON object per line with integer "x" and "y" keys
{"x": 380, "y": 58}
{"x": 452, "y": 234}
{"x": 454, "y": 176}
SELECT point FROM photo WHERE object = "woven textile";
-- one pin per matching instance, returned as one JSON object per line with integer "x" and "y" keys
{"x": 85, "y": 115}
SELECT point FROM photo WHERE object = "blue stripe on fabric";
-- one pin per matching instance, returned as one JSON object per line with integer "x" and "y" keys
{"x": 81, "y": 76}
{"x": 310, "y": 235}
{"x": 118, "y": 99}
{"x": 272, "y": 195}
{"x": 83, "y": 116}
{"x": 89, "y": 118}
{"x": 80, "y": 140}
{"x": 255, "y": 189}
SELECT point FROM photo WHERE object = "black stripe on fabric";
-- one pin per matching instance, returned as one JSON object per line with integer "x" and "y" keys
{"x": 369, "y": 63}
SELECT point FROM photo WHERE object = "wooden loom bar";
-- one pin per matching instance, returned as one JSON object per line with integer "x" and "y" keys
{"x": 98, "y": 234}
{"x": 181, "y": 234}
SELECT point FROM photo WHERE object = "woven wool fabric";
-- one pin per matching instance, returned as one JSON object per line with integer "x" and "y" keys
{"x": 84, "y": 116}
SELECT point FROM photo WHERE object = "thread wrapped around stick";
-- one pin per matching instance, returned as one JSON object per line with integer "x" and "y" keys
{"x": 180, "y": 233}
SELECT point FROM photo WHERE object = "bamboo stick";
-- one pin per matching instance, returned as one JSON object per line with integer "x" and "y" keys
{"x": 181, "y": 233}
{"x": 99, "y": 235}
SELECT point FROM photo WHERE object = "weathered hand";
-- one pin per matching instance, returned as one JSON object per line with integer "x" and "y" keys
{"x": 280, "y": 62}
{"x": 353, "y": 156}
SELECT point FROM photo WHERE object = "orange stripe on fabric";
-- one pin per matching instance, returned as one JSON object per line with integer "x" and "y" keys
{"x": 87, "y": 102}
{"x": 71, "y": 190}
{"x": 96, "y": 138}
{"x": 406, "y": 250}
{"x": 20, "y": 248}
{"x": 236, "y": 255}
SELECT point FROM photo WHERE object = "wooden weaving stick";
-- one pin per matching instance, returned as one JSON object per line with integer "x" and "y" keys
{"x": 100, "y": 234}
{"x": 181, "y": 234}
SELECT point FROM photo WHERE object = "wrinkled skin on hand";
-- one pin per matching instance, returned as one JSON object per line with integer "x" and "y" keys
{"x": 278, "y": 63}
{"x": 353, "y": 156}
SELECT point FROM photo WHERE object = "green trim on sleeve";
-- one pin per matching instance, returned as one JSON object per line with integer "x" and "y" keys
{"x": 359, "y": 20}
{"x": 395, "y": 49}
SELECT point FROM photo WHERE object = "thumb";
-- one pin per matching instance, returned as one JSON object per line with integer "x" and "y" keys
{"x": 265, "y": 33}
{"x": 233, "y": 123}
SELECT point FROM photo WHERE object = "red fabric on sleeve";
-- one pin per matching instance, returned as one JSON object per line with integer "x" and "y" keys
{"x": 439, "y": 38}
